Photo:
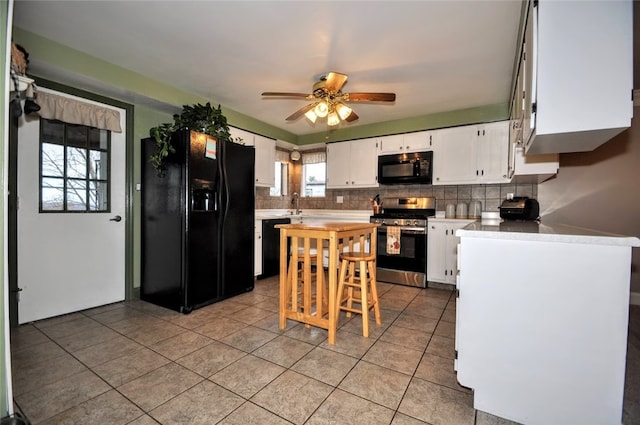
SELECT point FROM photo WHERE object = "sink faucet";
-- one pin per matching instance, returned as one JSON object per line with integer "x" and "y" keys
{"x": 295, "y": 201}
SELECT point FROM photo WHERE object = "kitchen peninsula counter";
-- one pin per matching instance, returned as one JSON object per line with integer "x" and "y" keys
{"x": 533, "y": 231}
{"x": 542, "y": 317}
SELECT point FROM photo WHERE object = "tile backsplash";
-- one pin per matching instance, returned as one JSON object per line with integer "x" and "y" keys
{"x": 491, "y": 195}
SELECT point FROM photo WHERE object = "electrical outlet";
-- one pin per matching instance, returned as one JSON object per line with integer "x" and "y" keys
{"x": 339, "y": 199}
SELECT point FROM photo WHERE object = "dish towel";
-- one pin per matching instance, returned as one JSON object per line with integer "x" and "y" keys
{"x": 393, "y": 240}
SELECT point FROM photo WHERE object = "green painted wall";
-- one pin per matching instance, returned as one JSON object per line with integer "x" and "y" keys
{"x": 4, "y": 384}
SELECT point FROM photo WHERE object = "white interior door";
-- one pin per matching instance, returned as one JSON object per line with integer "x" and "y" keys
{"x": 67, "y": 261}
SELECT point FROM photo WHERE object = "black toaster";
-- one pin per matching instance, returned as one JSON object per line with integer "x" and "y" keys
{"x": 520, "y": 208}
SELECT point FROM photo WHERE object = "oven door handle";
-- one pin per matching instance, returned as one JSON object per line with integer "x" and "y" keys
{"x": 406, "y": 230}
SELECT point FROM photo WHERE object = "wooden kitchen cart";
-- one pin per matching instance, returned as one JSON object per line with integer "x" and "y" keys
{"x": 316, "y": 242}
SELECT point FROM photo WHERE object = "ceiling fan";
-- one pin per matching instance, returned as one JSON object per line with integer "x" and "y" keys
{"x": 329, "y": 100}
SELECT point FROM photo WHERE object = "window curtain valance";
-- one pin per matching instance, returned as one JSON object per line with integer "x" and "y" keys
{"x": 54, "y": 107}
{"x": 314, "y": 157}
{"x": 282, "y": 156}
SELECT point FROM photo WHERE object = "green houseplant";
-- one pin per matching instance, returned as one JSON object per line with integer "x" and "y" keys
{"x": 202, "y": 118}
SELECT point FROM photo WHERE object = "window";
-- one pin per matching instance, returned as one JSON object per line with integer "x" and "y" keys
{"x": 74, "y": 167}
{"x": 314, "y": 171}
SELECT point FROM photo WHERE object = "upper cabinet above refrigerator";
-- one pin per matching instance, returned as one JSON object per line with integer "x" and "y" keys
{"x": 575, "y": 80}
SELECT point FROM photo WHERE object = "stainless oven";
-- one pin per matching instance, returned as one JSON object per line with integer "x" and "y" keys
{"x": 403, "y": 220}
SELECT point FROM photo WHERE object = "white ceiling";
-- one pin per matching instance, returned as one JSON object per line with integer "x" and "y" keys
{"x": 436, "y": 56}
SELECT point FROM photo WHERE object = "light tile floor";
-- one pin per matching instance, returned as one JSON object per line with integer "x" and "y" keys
{"x": 228, "y": 363}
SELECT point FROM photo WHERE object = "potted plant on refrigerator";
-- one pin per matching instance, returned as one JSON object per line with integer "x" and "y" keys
{"x": 202, "y": 118}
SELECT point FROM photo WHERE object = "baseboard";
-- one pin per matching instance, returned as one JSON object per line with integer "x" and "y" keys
{"x": 634, "y": 299}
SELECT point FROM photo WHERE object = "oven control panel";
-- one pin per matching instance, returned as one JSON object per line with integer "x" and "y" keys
{"x": 413, "y": 222}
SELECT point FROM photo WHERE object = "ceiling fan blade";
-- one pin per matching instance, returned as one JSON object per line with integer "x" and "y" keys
{"x": 335, "y": 81}
{"x": 285, "y": 94}
{"x": 300, "y": 112}
{"x": 352, "y": 117}
{"x": 369, "y": 97}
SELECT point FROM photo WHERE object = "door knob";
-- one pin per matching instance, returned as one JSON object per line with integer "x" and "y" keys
{"x": 116, "y": 218}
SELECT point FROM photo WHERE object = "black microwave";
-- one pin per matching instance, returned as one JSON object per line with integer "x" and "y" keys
{"x": 406, "y": 168}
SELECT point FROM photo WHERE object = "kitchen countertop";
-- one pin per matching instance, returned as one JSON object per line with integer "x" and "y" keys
{"x": 533, "y": 231}
{"x": 354, "y": 215}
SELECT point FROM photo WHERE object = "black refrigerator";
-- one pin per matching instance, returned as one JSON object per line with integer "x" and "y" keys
{"x": 197, "y": 222}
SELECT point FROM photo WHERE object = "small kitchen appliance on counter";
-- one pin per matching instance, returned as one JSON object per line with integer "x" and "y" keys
{"x": 520, "y": 208}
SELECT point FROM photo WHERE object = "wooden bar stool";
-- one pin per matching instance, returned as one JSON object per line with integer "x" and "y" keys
{"x": 361, "y": 289}
{"x": 305, "y": 272}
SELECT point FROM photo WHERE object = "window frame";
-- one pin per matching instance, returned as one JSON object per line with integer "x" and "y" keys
{"x": 65, "y": 177}
{"x": 303, "y": 182}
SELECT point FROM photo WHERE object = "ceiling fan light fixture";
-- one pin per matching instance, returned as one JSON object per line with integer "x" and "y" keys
{"x": 343, "y": 110}
{"x": 311, "y": 116}
{"x": 333, "y": 119}
{"x": 321, "y": 109}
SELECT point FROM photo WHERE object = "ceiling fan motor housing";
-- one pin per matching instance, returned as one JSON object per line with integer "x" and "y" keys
{"x": 320, "y": 89}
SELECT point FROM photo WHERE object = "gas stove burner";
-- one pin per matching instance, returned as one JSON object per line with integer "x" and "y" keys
{"x": 422, "y": 215}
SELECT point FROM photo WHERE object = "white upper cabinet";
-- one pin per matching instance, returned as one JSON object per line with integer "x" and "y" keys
{"x": 241, "y": 136}
{"x": 580, "y": 74}
{"x": 493, "y": 153}
{"x": 352, "y": 164}
{"x": 534, "y": 168}
{"x": 410, "y": 142}
{"x": 391, "y": 144}
{"x": 265, "y": 161}
{"x": 455, "y": 155}
{"x": 472, "y": 154}
{"x": 265, "y": 168}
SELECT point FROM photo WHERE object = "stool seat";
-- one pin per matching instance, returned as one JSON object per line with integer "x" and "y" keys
{"x": 357, "y": 256}
{"x": 361, "y": 289}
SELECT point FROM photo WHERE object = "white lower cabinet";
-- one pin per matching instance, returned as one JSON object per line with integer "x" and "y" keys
{"x": 541, "y": 328}
{"x": 442, "y": 246}
{"x": 257, "y": 260}
{"x": 352, "y": 164}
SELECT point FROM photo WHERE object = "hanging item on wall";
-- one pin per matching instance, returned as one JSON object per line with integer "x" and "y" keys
{"x": 19, "y": 65}
{"x": 19, "y": 59}
{"x": 30, "y": 105}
